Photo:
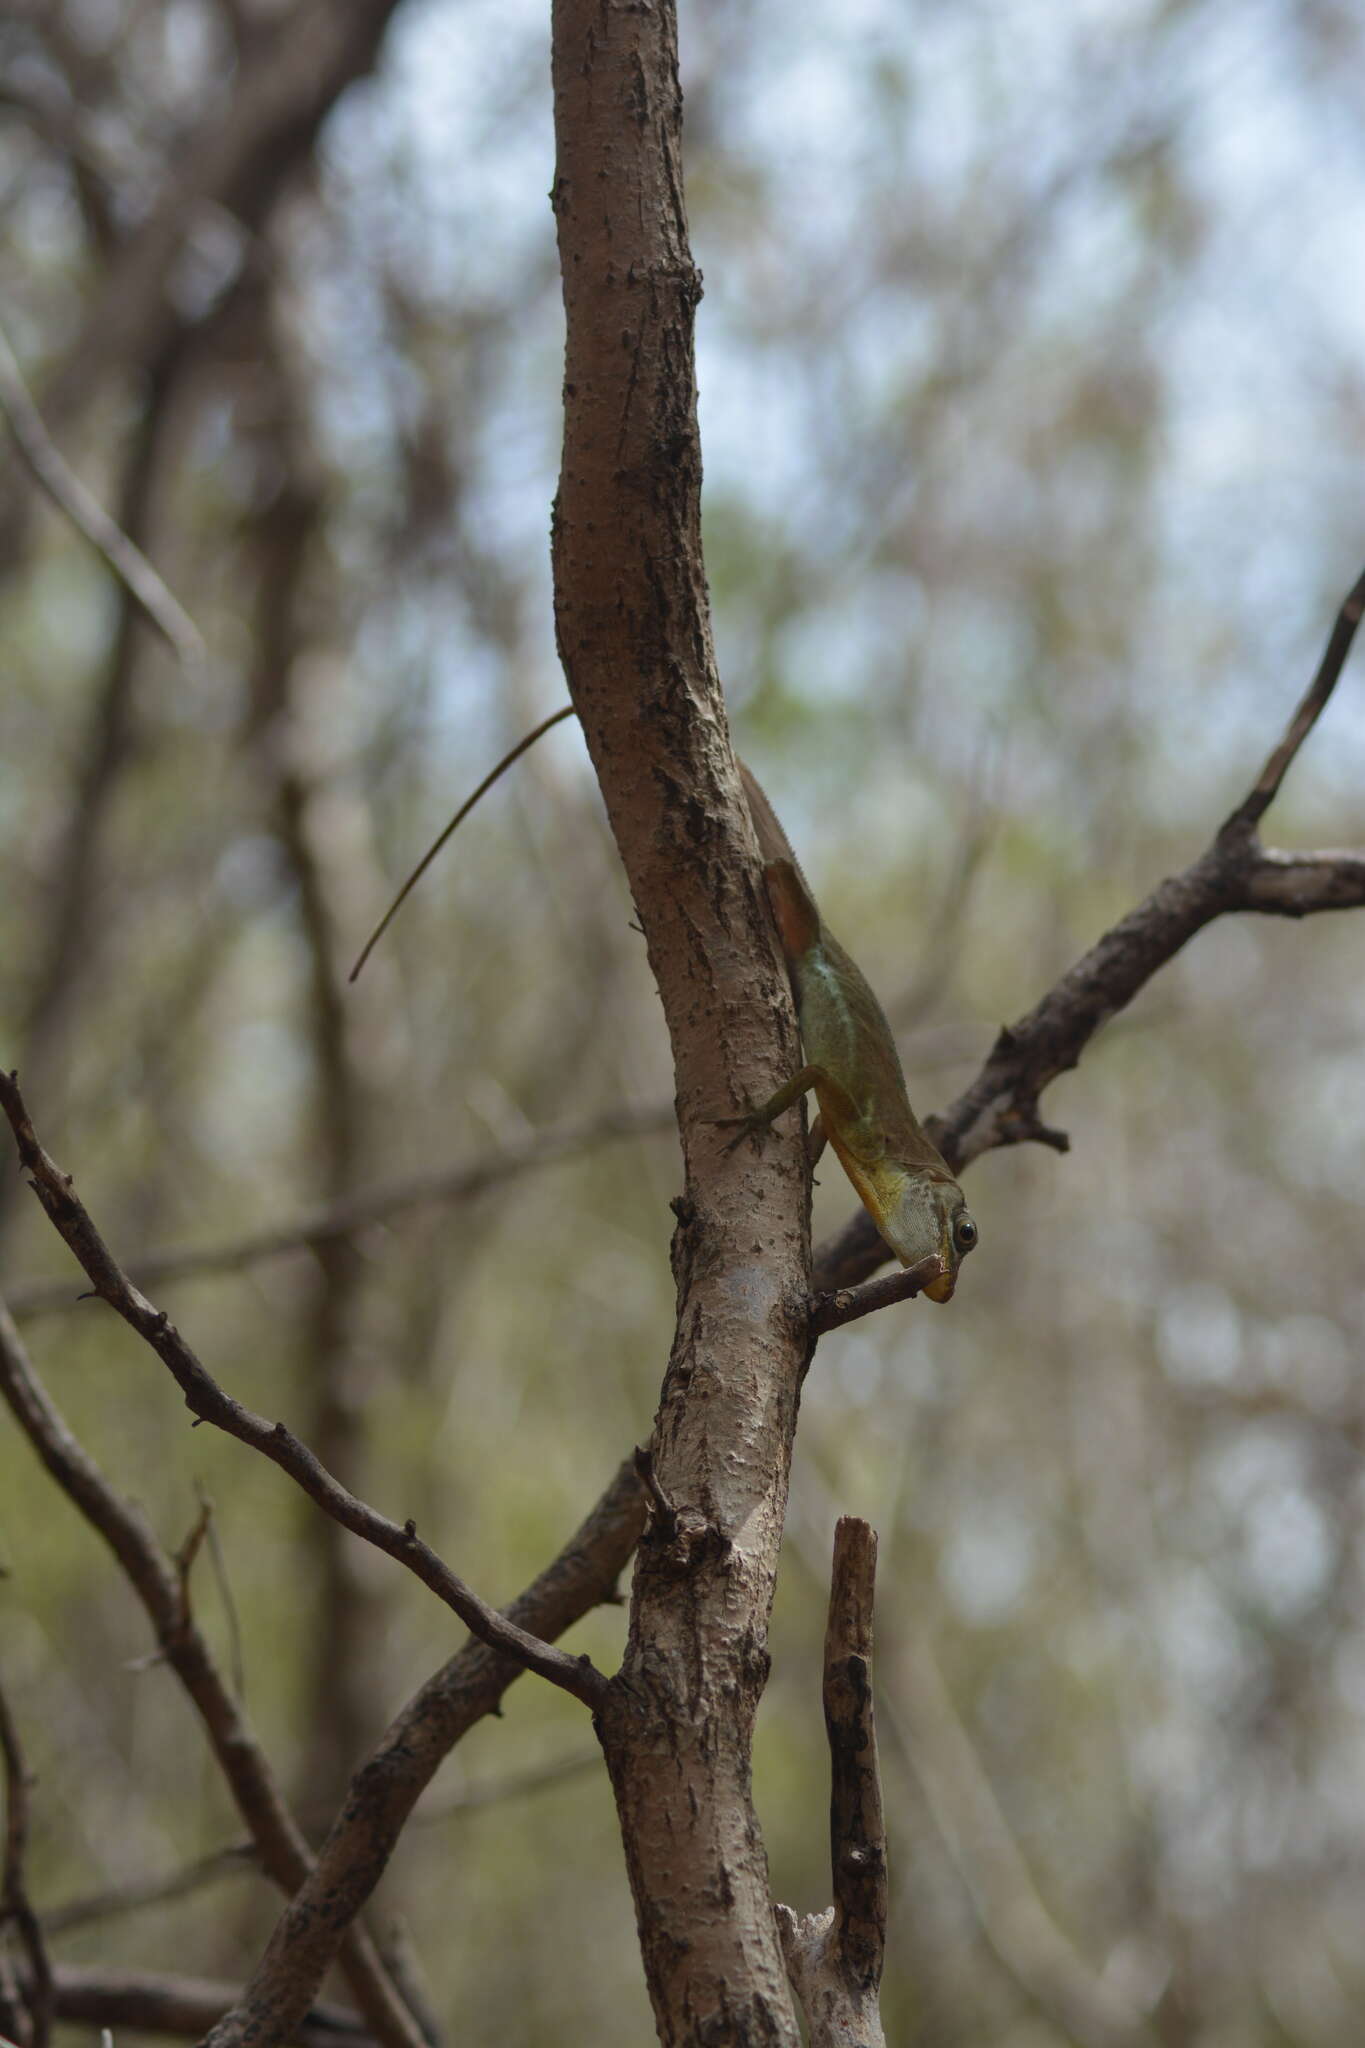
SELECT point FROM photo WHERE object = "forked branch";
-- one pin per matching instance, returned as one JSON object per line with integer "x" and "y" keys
{"x": 1234, "y": 873}
{"x": 56, "y": 1191}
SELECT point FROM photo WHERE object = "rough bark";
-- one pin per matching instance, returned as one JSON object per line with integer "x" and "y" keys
{"x": 634, "y": 635}
{"x": 835, "y": 1958}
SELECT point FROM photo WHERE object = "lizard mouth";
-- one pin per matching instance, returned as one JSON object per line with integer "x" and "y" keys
{"x": 942, "y": 1288}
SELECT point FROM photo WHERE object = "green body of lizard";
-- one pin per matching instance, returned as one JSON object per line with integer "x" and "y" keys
{"x": 854, "y": 1068}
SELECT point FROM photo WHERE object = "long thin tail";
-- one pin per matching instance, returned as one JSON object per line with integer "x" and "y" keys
{"x": 773, "y": 842}
{"x": 465, "y": 808}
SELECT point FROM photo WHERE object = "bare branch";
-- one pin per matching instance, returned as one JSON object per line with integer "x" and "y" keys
{"x": 387, "y": 1786}
{"x": 1266, "y": 787}
{"x": 104, "y": 534}
{"x": 156, "y": 1581}
{"x": 857, "y": 1843}
{"x": 334, "y": 1220}
{"x": 207, "y": 1400}
{"x": 1235, "y": 873}
{"x": 14, "y": 1900}
{"x": 848, "y": 1304}
{"x": 835, "y": 1958}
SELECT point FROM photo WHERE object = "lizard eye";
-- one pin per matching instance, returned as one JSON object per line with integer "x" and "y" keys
{"x": 964, "y": 1232}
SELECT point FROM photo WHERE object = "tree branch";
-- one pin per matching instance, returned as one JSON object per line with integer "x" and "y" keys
{"x": 242, "y": 1858}
{"x": 848, "y": 1304}
{"x": 634, "y": 636}
{"x": 210, "y": 1403}
{"x": 835, "y": 1958}
{"x": 1234, "y": 873}
{"x": 1266, "y": 787}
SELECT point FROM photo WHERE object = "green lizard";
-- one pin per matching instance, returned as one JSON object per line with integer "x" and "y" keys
{"x": 855, "y": 1070}
{"x": 852, "y": 1063}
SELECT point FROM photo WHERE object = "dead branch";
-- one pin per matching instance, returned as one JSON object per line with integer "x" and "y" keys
{"x": 156, "y": 1580}
{"x": 331, "y": 1221}
{"x": 387, "y": 1786}
{"x": 848, "y": 1304}
{"x": 15, "y": 1905}
{"x": 835, "y": 1958}
{"x": 1234, "y": 873}
{"x": 207, "y": 1400}
{"x": 1263, "y": 792}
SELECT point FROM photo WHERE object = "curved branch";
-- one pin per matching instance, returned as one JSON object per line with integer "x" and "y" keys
{"x": 203, "y": 1395}
{"x": 1234, "y": 873}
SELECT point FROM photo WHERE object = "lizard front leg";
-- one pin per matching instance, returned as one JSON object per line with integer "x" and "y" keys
{"x": 755, "y": 1120}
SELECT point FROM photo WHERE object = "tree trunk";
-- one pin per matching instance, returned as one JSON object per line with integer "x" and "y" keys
{"x": 635, "y": 639}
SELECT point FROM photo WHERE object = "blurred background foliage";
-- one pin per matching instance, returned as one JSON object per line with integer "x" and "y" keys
{"x": 1032, "y": 368}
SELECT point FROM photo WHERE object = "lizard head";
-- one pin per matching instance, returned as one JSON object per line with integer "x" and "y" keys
{"x": 923, "y": 1215}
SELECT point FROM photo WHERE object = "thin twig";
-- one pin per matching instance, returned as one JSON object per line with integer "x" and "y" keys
{"x": 14, "y": 1899}
{"x": 847, "y": 1304}
{"x": 1266, "y": 787}
{"x": 56, "y": 1191}
{"x": 336, "y": 1220}
{"x": 104, "y": 534}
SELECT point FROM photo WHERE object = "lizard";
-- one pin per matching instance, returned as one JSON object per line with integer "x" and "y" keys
{"x": 854, "y": 1069}
{"x": 851, "y": 1060}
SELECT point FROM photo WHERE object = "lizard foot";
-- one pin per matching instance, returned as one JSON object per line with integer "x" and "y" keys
{"x": 751, "y": 1125}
